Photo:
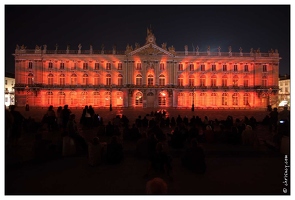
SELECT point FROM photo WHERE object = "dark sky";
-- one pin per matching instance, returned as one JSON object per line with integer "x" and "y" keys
{"x": 245, "y": 26}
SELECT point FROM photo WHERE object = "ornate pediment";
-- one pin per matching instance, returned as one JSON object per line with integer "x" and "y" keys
{"x": 150, "y": 49}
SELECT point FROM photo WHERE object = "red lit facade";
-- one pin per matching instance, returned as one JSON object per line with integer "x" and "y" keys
{"x": 146, "y": 76}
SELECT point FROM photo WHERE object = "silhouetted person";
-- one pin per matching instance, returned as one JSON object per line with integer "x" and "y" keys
{"x": 156, "y": 186}
{"x": 65, "y": 115}
{"x": 51, "y": 118}
{"x": 73, "y": 132}
{"x": 16, "y": 129}
{"x": 274, "y": 116}
{"x": 114, "y": 151}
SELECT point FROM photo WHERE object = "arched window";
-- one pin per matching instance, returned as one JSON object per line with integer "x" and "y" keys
{"x": 62, "y": 79}
{"x": 235, "y": 99}
{"x": 246, "y": 81}
{"x": 213, "y": 81}
{"x": 73, "y": 98}
{"x": 224, "y": 99}
{"x": 108, "y": 79}
{"x": 50, "y": 79}
{"x": 30, "y": 79}
{"x": 235, "y": 81}
{"x": 213, "y": 99}
{"x": 203, "y": 99}
{"x": 107, "y": 98}
{"x": 202, "y": 81}
{"x": 180, "y": 80}
{"x": 73, "y": 79}
{"x": 224, "y": 81}
{"x": 138, "y": 79}
{"x": 96, "y": 98}
{"x": 191, "y": 80}
{"x": 264, "y": 81}
{"x": 150, "y": 79}
{"x": 181, "y": 99}
{"x": 138, "y": 99}
{"x": 162, "y": 98}
{"x": 49, "y": 98}
{"x": 61, "y": 98}
{"x": 120, "y": 98}
{"x": 246, "y": 99}
{"x": 120, "y": 79}
{"x": 85, "y": 79}
{"x": 96, "y": 79}
{"x": 162, "y": 80}
{"x": 84, "y": 99}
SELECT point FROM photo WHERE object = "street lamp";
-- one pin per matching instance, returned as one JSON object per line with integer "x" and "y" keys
{"x": 111, "y": 99}
{"x": 193, "y": 103}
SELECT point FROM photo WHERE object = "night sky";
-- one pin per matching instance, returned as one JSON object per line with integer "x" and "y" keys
{"x": 246, "y": 26}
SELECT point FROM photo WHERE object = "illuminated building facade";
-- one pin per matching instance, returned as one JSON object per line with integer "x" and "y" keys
{"x": 146, "y": 76}
{"x": 9, "y": 89}
{"x": 284, "y": 90}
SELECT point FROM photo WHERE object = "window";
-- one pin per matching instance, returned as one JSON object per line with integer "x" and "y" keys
{"x": 286, "y": 90}
{"x": 138, "y": 66}
{"x": 97, "y": 79}
{"x": 108, "y": 66}
{"x": 214, "y": 67}
{"x": 49, "y": 98}
{"x": 162, "y": 66}
{"x": 96, "y": 66}
{"x": 235, "y": 99}
{"x": 213, "y": 99}
{"x": 203, "y": 81}
{"x": 224, "y": 81}
{"x": 180, "y": 80}
{"x": 162, "y": 99}
{"x": 50, "y": 79}
{"x": 224, "y": 68}
{"x": 119, "y": 99}
{"x": 96, "y": 98}
{"x": 62, "y": 79}
{"x": 85, "y": 79}
{"x": 6, "y": 99}
{"x": 5, "y": 82}
{"x": 120, "y": 66}
{"x": 61, "y": 98}
{"x": 235, "y": 68}
{"x": 224, "y": 99}
{"x": 192, "y": 98}
{"x": 30, "y": 66}
{"x": 213, "y": 81}
{"x": 107, "y": 98}
{"x": 180, "y": 67}
{"x": 235, "y": 81}
{"x": 202, "y": 68}
{"x": 50, "y": 65}
{"x": 85, "y": 66}
{"x": 83, "y": 98}
{"x": 264, "y": 81}
{"x": 120, "y": 79}
{"x": 62, "y": 66}
{"x": 191, "y": 80}
{"x": 246, "y": 81}
{"x": 150, "y": 79}
{"x": 264, "y": 68}
{"x": 162, "y": 80}
{"x": 73, "y": 98}
{"x": 181, "y": 99}
{"x": 74, "y": 67}
{"x": 191, "y": 67}
{"x": 138, "y": 99}
{"x": 246, "y": 99}
{"x": 108, "y": 79}
{"x": 203, "y": 99}
{"x": 30, "y": 79}
{"x": 246, "y": 68}
{"x": 73, "y": 79}
{"x": 138, "y": 80}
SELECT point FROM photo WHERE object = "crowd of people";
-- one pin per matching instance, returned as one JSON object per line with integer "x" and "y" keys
{"x": 148, "y": 133}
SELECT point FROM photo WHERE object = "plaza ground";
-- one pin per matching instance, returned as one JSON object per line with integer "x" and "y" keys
{"x": 231, "y": 169}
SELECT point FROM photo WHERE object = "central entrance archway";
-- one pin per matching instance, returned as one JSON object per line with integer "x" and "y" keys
{"x": 150, "y": 100}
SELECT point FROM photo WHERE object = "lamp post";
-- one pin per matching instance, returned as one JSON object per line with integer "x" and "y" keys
{"x": 111, "y": 99}
{"x": 193, "y": 103}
